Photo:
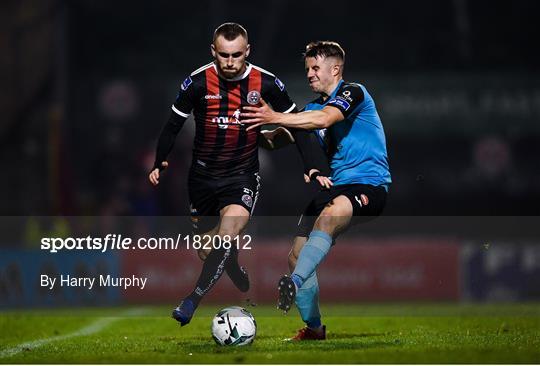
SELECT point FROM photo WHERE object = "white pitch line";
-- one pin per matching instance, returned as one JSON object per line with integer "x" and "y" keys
{"x": 92, "y": 328}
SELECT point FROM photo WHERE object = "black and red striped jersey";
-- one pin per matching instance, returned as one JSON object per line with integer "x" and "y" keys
{"x": 222, "y": 146}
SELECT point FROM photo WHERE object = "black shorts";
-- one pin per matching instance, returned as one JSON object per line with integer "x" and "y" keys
{"x": 208, "y": 196}
{"x": 368, "y": 202}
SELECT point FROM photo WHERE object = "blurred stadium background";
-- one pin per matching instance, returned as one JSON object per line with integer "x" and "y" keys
{"x": 87, "y": 85}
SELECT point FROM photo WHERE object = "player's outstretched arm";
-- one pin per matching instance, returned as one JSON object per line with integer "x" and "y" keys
{"x": 165, "y": 145}
{"x": 313, "y": 157}
{"x": 309, "y": 120}
{"x": 276, "y": 138}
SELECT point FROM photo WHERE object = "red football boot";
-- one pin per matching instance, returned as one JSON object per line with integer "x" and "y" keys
{"x": 308, "y": 334}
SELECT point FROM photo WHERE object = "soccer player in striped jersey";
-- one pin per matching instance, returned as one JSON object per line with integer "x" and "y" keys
{"x": 223, "y": 181}
{"x": 345, "y": 120}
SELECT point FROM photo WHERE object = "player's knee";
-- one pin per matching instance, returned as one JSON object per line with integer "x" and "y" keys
{"x": 326, "y": 222}
{"x": 233, "y": 221}
{"x": 338, "y": 208}
{"x": 334, "y": 216}
{"x": 203, "y": 253}
{"x": 230, "y": 231}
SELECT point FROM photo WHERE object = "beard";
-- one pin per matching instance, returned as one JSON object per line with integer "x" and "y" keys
{"x": 229, "y": 73}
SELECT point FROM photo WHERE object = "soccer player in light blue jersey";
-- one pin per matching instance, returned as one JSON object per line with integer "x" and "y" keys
{"x": 346, "y": 121}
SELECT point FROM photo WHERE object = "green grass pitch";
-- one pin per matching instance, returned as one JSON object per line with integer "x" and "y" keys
{"x": 387, "y": 333}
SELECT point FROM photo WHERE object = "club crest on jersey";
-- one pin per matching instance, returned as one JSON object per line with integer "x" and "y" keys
{"x": 186, "y": 83}
{"x": 253, "y": 97}
{"x": 247, "y": 200}
{"x": 279, "y": 84}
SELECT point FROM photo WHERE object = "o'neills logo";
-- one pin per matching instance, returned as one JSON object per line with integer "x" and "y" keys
{"x": 213, "y": 96}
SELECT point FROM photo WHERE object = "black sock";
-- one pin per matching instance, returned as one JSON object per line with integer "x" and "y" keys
{"x": 232, "y": 267}
{"x": 212, "y": 269}
{"x": 235, "y": 273}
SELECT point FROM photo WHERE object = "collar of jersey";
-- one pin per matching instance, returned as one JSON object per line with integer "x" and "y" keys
{"x": 334, "y": 92}
{"x": 240, "y": 77}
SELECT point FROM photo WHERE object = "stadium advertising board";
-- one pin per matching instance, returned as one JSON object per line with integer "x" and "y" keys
{"x": 361, "y": 270}
{"x": 34, "y": 278}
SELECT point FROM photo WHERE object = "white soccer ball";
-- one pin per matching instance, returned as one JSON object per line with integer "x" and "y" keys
{"x": 234, "y": 326}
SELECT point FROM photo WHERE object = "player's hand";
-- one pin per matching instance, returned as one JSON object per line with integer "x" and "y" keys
{"x": 257, "y": 116}
{"x": 154, "y": 174}
{"x": 323, "y": 181}
{"x": 276, "y": 138}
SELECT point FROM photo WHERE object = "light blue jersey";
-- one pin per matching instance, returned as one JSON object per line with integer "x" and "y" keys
{"x": 356, "y": 146}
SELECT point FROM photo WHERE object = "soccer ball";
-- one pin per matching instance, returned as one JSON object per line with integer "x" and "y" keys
{"x": 234, "y": 326}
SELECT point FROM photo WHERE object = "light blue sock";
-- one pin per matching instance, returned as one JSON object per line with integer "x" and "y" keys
{"x": 311, "y": 255}
{"x": 307, "y": 302}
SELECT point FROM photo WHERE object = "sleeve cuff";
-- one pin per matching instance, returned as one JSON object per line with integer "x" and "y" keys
{"x": 290, "y": 108}
{"x": 185, "y": 115}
